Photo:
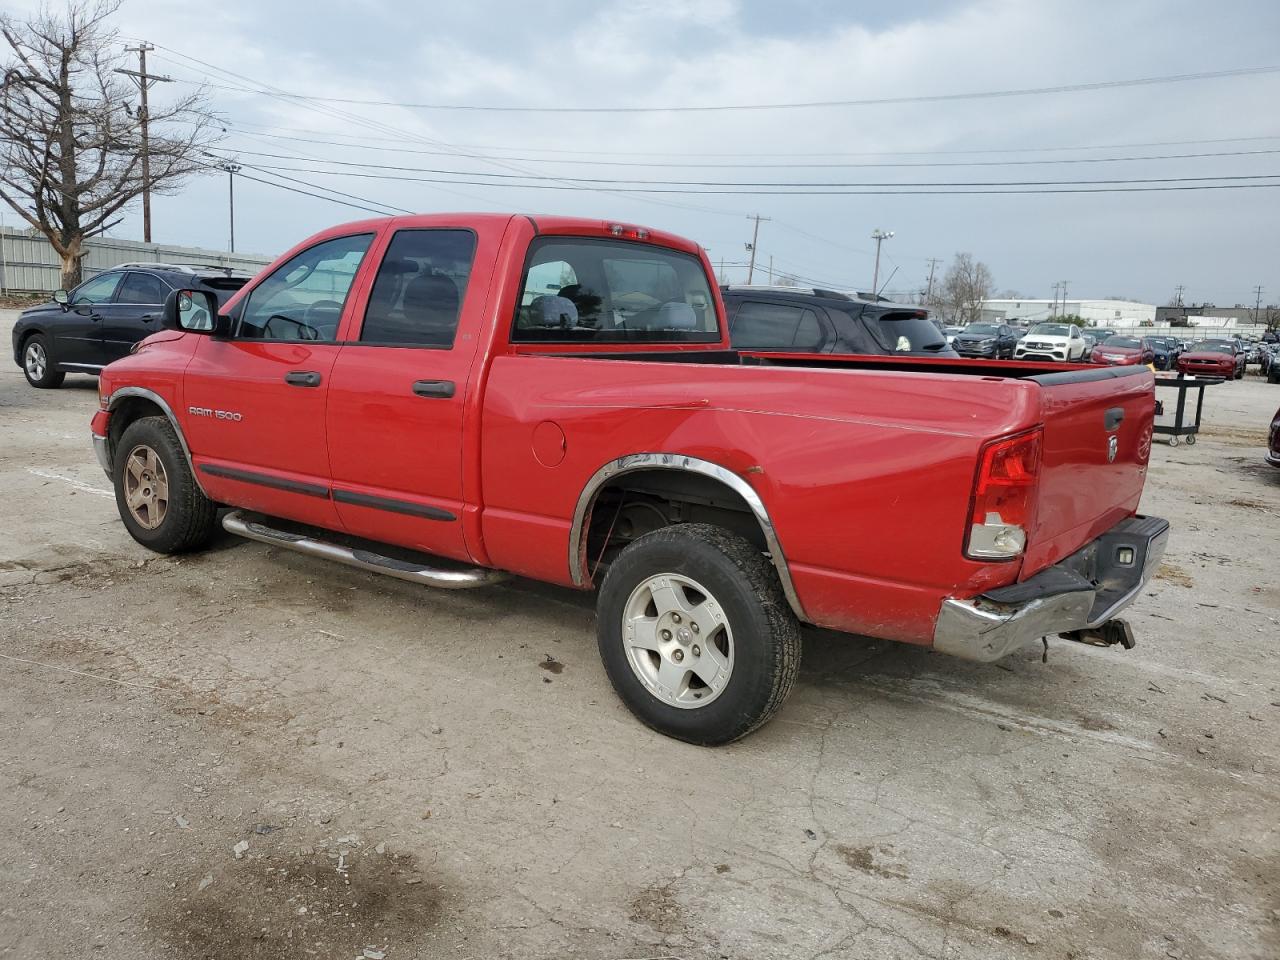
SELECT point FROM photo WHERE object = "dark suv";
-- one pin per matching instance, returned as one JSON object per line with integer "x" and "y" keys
{"x": 100, "y": 320}
{"x": 808, "y": 320}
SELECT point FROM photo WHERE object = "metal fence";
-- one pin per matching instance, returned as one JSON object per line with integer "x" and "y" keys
{"x": 28, "y": 264}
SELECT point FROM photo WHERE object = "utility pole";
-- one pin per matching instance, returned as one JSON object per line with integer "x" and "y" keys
{"x": 879, "y": 236}
{"x": 755, "y": 236}
{"x": 1064, "y": 296}
{"x": 143, "y": 81}
{"x": 232, "y": 169}
{"x": 1177, "y": 300}
{"x": 928, "y": 294}
{"x": 1257, "y": 303}
{"x": 1054, "y": 312}
{"x": 771, "y": 269}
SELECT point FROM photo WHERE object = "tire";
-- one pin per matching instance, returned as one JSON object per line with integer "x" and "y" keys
{"x": 753, "y": 655}
{"x": 1191, "y": 439}
{"x": 38, "y": 363}
{"x": 1173, "y": 440}
{"x": 171, "y": 514}
{"x": 1273, "y": 373}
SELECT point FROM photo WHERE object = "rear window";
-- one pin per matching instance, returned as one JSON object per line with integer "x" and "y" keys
{"x": 577, "y": 290}
{"x": 905, "y": 332}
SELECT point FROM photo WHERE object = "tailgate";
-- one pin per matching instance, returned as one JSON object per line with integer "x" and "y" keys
{"x": 1097, "y": 441}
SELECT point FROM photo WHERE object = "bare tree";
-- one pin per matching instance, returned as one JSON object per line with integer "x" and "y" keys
{"x": 967, "y": 283}
{"x": 70, "y": 143}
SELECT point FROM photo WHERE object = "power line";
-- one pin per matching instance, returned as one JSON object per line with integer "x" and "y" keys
{"x": 786, "y": 187}
{"x": 787, "y": 166}
{"x": 289, "y": 133}
{"x": 807, "y": 105}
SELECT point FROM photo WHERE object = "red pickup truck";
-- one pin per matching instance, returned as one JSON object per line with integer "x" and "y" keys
{"x": 452, "y": 398}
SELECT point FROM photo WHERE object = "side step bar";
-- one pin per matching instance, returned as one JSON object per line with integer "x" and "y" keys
{"x": 243, "y": 526}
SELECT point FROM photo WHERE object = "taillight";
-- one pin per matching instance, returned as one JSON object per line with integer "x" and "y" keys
{"x": 1004, "y": 497}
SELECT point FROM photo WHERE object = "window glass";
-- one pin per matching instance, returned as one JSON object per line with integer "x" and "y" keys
{"x": 606, "y": 291}
{"x": 907, "y": 332}
{"x": 303, "y": 298}
{"x": 142, "y": 288}
{"x": 809, "y": 335}
{"x": 766, "y": 326}
{"x": 417, "y": 294}
{"x": 98, "y": 290}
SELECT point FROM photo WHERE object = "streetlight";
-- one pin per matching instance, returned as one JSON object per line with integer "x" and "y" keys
{"x": 879, "y": 236}
{"x": 232, "y": 169}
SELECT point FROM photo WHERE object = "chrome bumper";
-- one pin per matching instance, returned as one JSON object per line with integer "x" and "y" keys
{"x": 1082, "y": 592}
{"x": 102, "y": 452}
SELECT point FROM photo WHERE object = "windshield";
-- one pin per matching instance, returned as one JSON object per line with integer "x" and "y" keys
{"x": 987, "y": 329}
{"x": 1052, "y": 329}
{"x": 1127, "y": 343}
{"x": 1208, "y": 346}
{"x": 612, "y": 291}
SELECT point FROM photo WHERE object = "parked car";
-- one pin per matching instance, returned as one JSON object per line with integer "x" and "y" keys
{"x": 1271, "y": 362}
{"x": 1123, "y": 351}
{"x": 1166, "y": 352}
{"x": 558, "y": 398}
{"x": 1273, "y": 441}
{"x": 1213, "y": 358}
{"x": 1051, "y": 341}
{"x": 951, "y": 334}
{"x": 806, "y": 320}
{"x": 994, "y": 340}
{"x": 101, "y": 319}
{"x": 1101, "y": 334}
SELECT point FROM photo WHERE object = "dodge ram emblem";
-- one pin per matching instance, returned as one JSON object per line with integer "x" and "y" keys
{"x": 1113, "y": 447}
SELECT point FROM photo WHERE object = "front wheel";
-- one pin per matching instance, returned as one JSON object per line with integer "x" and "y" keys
{"x": 696, "y": 634}
{"x": 159, "y": 501}
{"x": 38, "y": 365}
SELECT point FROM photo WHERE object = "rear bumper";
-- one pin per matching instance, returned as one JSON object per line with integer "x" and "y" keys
{"x": 1081, "y": 592}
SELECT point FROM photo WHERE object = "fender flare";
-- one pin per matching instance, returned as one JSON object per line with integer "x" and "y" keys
{"x": 634, "y": 462}
{"x": 124, "y": 393}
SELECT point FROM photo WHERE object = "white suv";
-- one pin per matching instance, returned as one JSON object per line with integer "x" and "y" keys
{"x": 1052, "y": 341}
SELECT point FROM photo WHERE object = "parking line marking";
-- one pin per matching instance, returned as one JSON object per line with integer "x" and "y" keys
{"x": 72, "y": 481}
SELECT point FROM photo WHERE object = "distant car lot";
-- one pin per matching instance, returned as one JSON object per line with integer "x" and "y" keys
{"x": 431, "y": 766}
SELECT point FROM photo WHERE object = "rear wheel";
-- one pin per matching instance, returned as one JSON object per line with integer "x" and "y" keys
{"x": 156, "y": 493}
{"x": 38, "y": 364}
{"x": 696, "y": 634}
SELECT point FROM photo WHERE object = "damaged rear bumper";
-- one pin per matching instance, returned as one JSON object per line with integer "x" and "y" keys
{"x": 1081, "y": 592}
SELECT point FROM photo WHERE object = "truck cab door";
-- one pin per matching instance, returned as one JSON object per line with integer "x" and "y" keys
{"x": 398, "y": 394}
{"x": 253, "y": 404}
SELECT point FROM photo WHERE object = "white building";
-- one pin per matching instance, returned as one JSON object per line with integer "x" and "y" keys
{"x": 1102, "y": 313}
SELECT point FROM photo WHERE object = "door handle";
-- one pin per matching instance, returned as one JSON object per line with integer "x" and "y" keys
{"x": 434, "y": 388}
{"x": 302, "y": 378}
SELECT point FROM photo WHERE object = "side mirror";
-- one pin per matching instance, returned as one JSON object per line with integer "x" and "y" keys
{"x": 193, "y": 311}
{"x": 62, "y": 298}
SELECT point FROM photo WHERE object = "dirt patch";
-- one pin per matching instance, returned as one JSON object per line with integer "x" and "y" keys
{"x": 870, "y": 859}
{"x": 1240, "y": 437}
{"x": 1248, "y": 504}
{"x": 657, "y": 906}
{"x": 297, "y": 904}
{"x": 552, "y": 665}
{"x": 1174, "y": 574}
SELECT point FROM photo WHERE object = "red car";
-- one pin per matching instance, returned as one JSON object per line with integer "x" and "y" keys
{"x": 1123, "y": 351}
{"x": 1213, "y": 358}
{"x": 557, "y": 398}
{"x": 1273, "y": 441}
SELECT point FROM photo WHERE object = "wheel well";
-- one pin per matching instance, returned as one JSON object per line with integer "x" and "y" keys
{"x": 633, "y": 504}
{"x": 127, "y": 411}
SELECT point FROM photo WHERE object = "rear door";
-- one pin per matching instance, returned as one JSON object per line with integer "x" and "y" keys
{"x": 760, "y": 325}
{"x": 1097, "y": 441}
{"x": 134, "y": 314}
{"x": 254, "y": 403}
{"x": 398, "y": 393}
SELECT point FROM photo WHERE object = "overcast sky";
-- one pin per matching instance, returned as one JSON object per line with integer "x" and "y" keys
{"x": 590, "y": 53}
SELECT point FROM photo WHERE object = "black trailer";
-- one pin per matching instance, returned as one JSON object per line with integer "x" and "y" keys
{"x": 1183, "y": 384}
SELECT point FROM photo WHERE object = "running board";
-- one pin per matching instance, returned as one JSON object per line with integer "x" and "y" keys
{"x": 243, "y": 526}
